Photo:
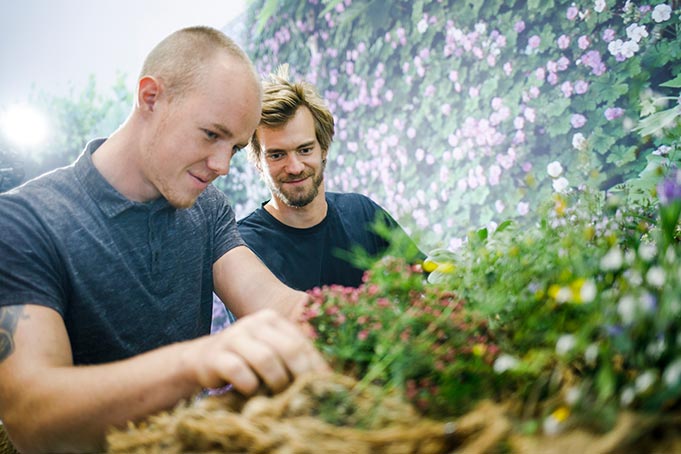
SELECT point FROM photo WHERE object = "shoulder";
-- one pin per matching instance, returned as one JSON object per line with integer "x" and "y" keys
{"x": 253, "y": 221}
{"x": 352, "y": 201}
{"x": 43, "y": 195}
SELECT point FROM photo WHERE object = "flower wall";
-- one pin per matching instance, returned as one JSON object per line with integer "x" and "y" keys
{"x": 457, "y": 114}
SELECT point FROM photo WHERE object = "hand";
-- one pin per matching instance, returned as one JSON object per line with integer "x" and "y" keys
{"x": 262, "y": 347}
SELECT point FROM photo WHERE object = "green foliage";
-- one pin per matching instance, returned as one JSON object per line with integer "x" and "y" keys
{"x": 576, "y": 316}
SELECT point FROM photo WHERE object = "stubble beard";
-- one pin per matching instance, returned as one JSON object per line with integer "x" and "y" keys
{"x": 298, "y": 198}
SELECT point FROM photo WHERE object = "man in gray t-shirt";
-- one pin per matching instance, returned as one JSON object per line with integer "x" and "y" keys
{"x": 107, "y": 267}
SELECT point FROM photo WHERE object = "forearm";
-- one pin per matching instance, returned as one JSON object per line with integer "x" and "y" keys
{"x": 69, "y": 409}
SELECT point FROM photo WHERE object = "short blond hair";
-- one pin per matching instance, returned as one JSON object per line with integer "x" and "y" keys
{"x": 179, "y": 59}
{"x": 281, "y": 100}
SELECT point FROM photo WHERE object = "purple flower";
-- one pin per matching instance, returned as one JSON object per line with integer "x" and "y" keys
{"x": 669, "y": 190}
{"x": 577, "y": 120}
{"x": 552, "y": 78}
{"x": 519, "y": 26}
{"x": 608, "y": 35}
{"x": 612, "y": 113}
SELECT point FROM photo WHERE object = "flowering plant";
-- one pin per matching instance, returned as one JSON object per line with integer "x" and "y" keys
{"x": 573, "y": 319}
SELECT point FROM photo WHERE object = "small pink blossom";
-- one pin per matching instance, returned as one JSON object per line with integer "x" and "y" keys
{"x": 608, "y": 35}
{"x": 566, "y": 88}
{"x": 583, "y": 42}
{"x": 563, "y": 63}
{"x": 519, "y": 26}
{"x": 540, "y": 73}
{"x": 534, "y": 41}
{"x": 552, "y": 78}
{"x": 581, "y": 87}
{"x": 572, "y": 13}
{"x": 508, "y": 68}
{"x": 577, "y": 120}
{"x": 612, "y": 113}
{"x": 563, "y": 42}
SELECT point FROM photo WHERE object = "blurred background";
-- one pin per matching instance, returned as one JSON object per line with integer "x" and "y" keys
{"x": 452, "y": 114}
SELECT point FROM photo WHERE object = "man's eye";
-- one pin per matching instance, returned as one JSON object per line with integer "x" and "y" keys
{"x": 210, "y": 134}
{"x": 305, "y": 151}
{"x": 274, "y": 156}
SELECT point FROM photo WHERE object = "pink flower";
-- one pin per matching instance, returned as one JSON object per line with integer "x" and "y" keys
{"x": 566, "y": 88}
{"x": 583, "y": 42}
{"x": 563, "y": 63}
{"x": 581, "y": 87}
{"x": 577, "y": 120}
{"x": 540, "y": 73}
{"x": 453, "y": 76}
{"x": 552, "y": 78}
{"x": 563, "y": 42}
{"x": 362, "y": 335}
{"x": 534, "y": 41}
{"x": 508, "y": 68}
{"x": 519, "y": 26}
{"x": 608, "y": 35}
{"x": 572, "y": 13}
{"x": 612, "y": 113}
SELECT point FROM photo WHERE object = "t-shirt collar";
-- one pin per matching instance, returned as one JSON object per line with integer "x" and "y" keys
{"x": 109, "y": 200}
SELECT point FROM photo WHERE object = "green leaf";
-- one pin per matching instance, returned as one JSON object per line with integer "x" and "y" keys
{"x": 674, "y": 83}
{"x": 267, "y": 11}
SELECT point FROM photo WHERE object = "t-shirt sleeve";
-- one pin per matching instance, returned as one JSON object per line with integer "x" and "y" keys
{"x": 226, "y": 234}
{"x": 30, "y": 269}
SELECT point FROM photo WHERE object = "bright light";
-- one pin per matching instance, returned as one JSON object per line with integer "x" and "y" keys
{"x": 24, "y": 125}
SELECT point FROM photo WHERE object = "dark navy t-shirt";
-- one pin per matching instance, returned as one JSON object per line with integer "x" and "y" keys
{"x": 308, "y": 258}
{"x": 126, "y": 277}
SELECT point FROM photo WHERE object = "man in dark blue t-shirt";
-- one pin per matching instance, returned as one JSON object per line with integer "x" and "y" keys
{"x": 303, "y": 234}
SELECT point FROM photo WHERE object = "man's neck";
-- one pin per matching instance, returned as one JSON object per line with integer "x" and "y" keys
{"x": 117, "y": 161}
{"x": 299, "y": 217}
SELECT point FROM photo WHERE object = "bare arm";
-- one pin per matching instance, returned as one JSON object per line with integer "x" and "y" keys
{"x": 255, "y": 287}
{"x": 49, "y": 405}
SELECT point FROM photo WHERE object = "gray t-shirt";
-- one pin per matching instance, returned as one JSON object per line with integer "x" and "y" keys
{"x": 126, "y": 277}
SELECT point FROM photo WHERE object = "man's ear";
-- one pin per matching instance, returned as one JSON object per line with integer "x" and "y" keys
{"x": 148, "y": 91}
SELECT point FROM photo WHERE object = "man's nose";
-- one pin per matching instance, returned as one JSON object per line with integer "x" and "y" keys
{"x": 219, "y": 162}
{"x": 294, "y": 164}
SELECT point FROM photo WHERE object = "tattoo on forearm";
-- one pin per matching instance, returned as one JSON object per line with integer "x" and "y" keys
{"x": 9, "y": 317}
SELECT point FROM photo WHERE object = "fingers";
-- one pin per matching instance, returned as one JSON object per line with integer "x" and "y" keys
{"x": 263, "y": 347}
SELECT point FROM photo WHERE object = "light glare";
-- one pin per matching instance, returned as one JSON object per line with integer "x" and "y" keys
{"x": 24, "y": 125}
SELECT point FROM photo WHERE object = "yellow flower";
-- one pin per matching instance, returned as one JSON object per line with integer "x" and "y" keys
{"x": 479, "y": 349}
{"x": 560, "y": 414}
{"x": 429, "y": 265}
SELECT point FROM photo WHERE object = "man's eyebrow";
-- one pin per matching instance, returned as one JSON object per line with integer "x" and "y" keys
{"x": 227, "y": 133}
{"x": 308, "y": 144}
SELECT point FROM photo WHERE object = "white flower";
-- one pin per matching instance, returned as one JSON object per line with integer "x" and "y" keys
{"x": 615, "y": 47}
{"x": 554, "y": 169}
{"x": 636, "y": 32}
{"x": 626, "y": 308}
{"x": 599, "y": 6}
{"x": 629, "y": 48}
{"x": 560, "y": 184}
{"x": 563, "y": 295}
{"x": 662, "y": 13}
{"x": 481, "y": 27}
{"x": 588, "y": 291}
{"x": 572, "y": 395}
{"x": 591, "y": 354}
{"x": 656, "y": 276}
{"x": 612, "y": 261}
{"x": 523, "y": 208}
{"x": 672, "y": 374}
{"x": 565, "y": 344}
{"x": 422, "y": 26}
{"x": 628, "y": 396}
{"x": 505, "y": 362}
{"x": 645, "y": 381}
{"x": 647, "y": 251}
{"x": 579, "y": 141}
